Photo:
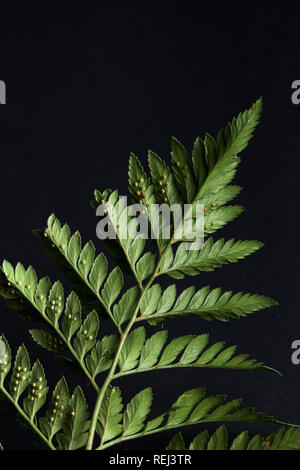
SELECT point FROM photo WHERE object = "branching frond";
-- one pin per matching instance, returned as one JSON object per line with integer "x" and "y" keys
{"x": 70, "y": 326}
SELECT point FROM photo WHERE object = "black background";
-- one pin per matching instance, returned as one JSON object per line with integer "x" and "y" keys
{"x": 87, "y": 84}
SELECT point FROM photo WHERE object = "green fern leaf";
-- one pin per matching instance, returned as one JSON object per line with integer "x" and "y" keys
{"x": 86, "y": 272}
{"x": 146, "y": 265}
{"x": 176, "y": 443}
{"x": 47, "y": 340}
{"x": 139, "y": 184}
{"x": 150, "y": 300}
{"x": 100, "y": 358}
{"x": 209, "y": 304}
{"x": 133, "y": 344}
{"x": 112, "y": 287}
{"x": 173, "y": 350}
{"x": 152, "y": 349}
{"x": 37, "y": 390}
{"x": 55, "y": 415}
{"x": 98, "y": 272}
{"x": 110, "y": 416}
{"x": 193, "y": 407}
{"x": 86, "y": 336}
{"x": 124, "y": 309}
{"x": 72, "y": 316}
{"x": 75, "y": 424}
{"x": 20, "y": 378}
{"x": 136, "y": 412}
{"x": 213, "y": 201}
{"x": 185, "y": 351}
{"x": 211, "y": 256}
{"x": 221, "y": 156}
{"x": 282, "y": 440}
{"x": 41, "y": 298}
{"x": 5, "y": 355}
{"x": 165, "y": 188}
{"x": 183, "y": 170}
{"x": 217, "y": 218}
{"x": 55, "y": 302}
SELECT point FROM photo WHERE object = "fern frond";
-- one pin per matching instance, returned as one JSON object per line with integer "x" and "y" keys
{"x": 192, "y": 407}
{"x": 52, "y": 423}
{"x": 212, "y": 255}
{"x": 86, "y": 270}
{"x": 48, "y": 301}
{"x": 215, "y": 162}
{"x": 283, "y": 440}
{"x": 184, "y": 351}
{"x": 100, "y": 357}
{"x": 39, "y": 390}
{"x": 128, "y": 248}
{"x": 166, "y": 190}
{"x": 26, "y": 379}
{"x": 208, "y": 304}
{"x": 71, "y": 323}
{"x": 125, "y": 424}
{"x": 214, "y": 200}
{"x": 76, "y": 423}
{"x": 140, "y": 187}
{"x": 100, "y": 197}
{"x": 208, "y": 176}
{"x": 183, "y": 171}
{"x": 219, "y": 217}
{"x": 110, "y": 417}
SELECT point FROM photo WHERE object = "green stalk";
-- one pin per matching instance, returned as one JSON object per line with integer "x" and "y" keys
{"x": 110, "y": 375}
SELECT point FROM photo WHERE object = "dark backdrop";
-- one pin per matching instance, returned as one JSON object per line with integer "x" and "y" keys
{"x": 88, "y": 84}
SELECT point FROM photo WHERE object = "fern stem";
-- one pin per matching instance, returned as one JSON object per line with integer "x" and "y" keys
{"x": 26, "y": 418}
{"x": 110, "y": 374}
{"x": 110, "y": 377}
